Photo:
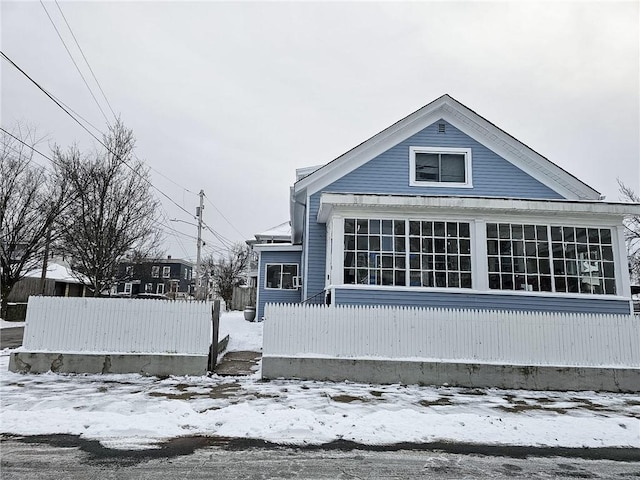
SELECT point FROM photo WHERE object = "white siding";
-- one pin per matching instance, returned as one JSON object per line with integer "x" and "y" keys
{"x": 499, "y": 337}
{"x": 58, "y": 324}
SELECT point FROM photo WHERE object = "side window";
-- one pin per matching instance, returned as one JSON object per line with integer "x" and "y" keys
{"x": 166, "y": 272}
{"x": 155, "y": 271}
{"x": 281, "y": 276}
{"x": 440, "y": 167}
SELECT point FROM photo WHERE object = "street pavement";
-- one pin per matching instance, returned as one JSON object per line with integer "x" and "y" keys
{"x": 11, "y": 337}
{"x": 71, "y": 458}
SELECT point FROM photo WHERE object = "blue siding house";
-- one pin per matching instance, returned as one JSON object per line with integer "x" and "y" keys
{"x": 444, "y": 209}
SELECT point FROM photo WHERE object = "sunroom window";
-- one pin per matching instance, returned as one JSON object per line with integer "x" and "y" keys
{"x": 550, "y": 258}
{"x": 440, "y": 166}
{"x": 407, "y": 253}
{"x": 281, "y": 276}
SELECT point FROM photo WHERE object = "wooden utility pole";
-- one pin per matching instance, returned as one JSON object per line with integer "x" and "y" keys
{"x": 45, "y": 263}
{"x": 199, "y": 247}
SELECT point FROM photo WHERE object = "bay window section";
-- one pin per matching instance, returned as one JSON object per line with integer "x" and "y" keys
{"x": 407, "y": 253}
{"x": 546, "y": 258}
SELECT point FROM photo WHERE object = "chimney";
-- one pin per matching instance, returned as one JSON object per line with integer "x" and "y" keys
{"x": 168, "y": 257}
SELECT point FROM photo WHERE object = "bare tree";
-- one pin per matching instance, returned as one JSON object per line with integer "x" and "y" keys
{"x": 632, "y": 231}
{"x": 114, "y": 213}
{"x": 31, "y": 198}
{"x": 228, "y": 272}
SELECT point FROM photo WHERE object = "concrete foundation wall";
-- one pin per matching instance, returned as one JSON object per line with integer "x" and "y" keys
{"x": 145, "y": 364}
{"x": 625, "y": 380}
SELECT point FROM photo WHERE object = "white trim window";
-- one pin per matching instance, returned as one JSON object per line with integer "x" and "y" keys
{"x": 407, "y": 253}
{"x": 166, "y": 272}
{"x": 155, "y": 271}
{"x": 160, "y": 288}
{"x": 281, "y": 276}
{"x": 148, "y": 288}
{"x": 440, "y": 167}
{"x": 545, "y": 258}
{"x": 127, "y": 288}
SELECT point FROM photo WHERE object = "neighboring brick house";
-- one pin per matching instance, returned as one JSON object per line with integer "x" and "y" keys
{"x": 164, "y": 276}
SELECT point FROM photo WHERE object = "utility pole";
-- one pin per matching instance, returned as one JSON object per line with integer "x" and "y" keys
{"x": 199, "y": 248}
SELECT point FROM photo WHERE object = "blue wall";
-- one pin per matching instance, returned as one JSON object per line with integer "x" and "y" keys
{"x": 276, "y": 296}
{"x": 421, "y": 298}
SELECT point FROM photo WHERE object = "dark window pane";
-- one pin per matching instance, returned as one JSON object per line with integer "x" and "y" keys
{"x": 569, "y": 234}
{"x": 349, "y": 225}
{"x": 387, "y": 227}
{"x": 529, "y": 232}
{"x": 505, "y": 247}
{"x": 494, "y": 282}
{"x": 363, "y": 227}
{"x": 594, "y": 236}
{"x": 398, "y": 227}
{"x": 506, "y": 265}
{"x": 414, "y": 244}
{"x": 492, "y": 230}
{"x": 374, "y": 226}
{"x": 452, "y": 262}
{"x": 492, "y": 247}
{"x": 427, "y": 229}
{"x": 400, "y": 261}
{"x": 452, "y": 229}
{"x": 518, "y": 265}
{"x": 387, "y": 244}
{"x": 453, "y": 280}
{"x": 517, "y": 248}
{"x": 387, "y": 261}
{"x": 288, "y": 273}
{"x": 572, "y": 284}
{"x": 414, "y": 228}
{"x": 506, "y": 282}
{"x": 605, "y": 236}
{"x": 349, "y": 276}
{"x": 349, "y": 242}
{"x": 415, "y": 279}
{"x": 530, "y": 249}
{"x": 363, "y": 242}
{"x": 532, "y": 265}
{"x": 516, "y": 232}
{"x": 581, "y": 235}
{"x": 465, "y": 247}
{"x": 349, "y": 259}
{"x": 441, "y": 279}
{"x": 504, "y": 230}
{"x": 452, "y": 168}
{"x": 543, "y": 266}
{"x": 363, "y": 260}
{"x": 387, "y": 277}
{"x": 610, "y": 287}
{"x": 438, "y": 229}
{"x": 464, "y": 230}
{"x": 363, "y": 277}
{"x": 558, "y": 267}
{"x": 545, "y": 284}
{"x": 427, "y": 262}
{"x": 439, "y": 245}
{"x": 452, "y": 246}
{"x": 414, "y": 261}
{"x": 427, "y": 279}
{"x": 400, "y": 278}
{"x": 609, "y": 270}
{"x": 541, "y": 232}
{"x": 465, "y": 280}
{"x": 440, "y": 263}
{"x": 427, "y": 245}
{"x": 427, "y": 167}
{"x": 494, "y": 264}
{"x": 561, "y": 284}
{"x": 374, "y": 244}
{"x": 556, "y": 234}
{"x": 274, "y": 276}
{"x": 465, "y": 263}
{"x": 399, "y": 244}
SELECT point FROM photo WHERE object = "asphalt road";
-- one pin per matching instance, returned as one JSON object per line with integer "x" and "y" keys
{"x": 72, "y": 458}
{"x": 11, "y": 337}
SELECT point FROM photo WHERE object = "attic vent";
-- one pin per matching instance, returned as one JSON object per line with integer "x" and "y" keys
{"x": 441, "y": 128}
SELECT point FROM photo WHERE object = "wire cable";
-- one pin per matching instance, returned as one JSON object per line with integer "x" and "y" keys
{"x": 85, "y": 59}
{"x": 74, "y": 62}
{"x": 90, "y": 133}
{"x": 226, "y": 219}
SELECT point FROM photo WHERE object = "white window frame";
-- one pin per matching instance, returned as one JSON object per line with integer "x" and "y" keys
{"x": 160, "y": 288}
{"x": 295, "y": 286}
{"x": 155, "y": 271}
{"x": 148, "y": 288}
{"x": 166, "y": 272}
{"x": 128, "y": 287}
{"x": 468, "y": 183}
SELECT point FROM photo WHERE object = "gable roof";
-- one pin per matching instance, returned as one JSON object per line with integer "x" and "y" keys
{"x": 470, "y": 123}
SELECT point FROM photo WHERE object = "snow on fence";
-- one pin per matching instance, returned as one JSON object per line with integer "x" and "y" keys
{"x": 478, "y": 336}
{"x": 59, "y": 324}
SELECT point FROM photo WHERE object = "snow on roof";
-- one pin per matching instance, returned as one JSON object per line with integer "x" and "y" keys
{"x": 279, "y": 231}
{"x": 57, "y": 270}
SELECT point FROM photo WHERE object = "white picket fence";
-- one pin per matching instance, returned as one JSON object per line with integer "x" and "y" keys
{"x": 59, "y": 324}
{"x": 479, "y": 336}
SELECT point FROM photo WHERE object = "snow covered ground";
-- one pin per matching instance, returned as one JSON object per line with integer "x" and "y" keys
{"x": 131, "y": 411}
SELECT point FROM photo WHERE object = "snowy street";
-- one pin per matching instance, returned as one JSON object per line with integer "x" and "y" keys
{"x": 136, "y": 412}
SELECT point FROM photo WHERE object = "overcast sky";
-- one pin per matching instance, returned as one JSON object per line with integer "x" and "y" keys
{"x": 231, "y": 98}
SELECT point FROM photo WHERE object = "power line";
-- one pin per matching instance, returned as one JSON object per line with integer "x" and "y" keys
{"x": 54, "y": 162}
{"x": 85, "y": 59}
{"x": 74, "y": 62}
{"x": 226, "y": 219}
{"x": 90, "y": 133}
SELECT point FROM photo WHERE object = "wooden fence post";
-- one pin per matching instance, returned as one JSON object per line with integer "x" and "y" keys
{"x": 213, "y": 350}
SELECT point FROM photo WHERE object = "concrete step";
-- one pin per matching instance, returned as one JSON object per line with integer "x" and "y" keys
{"x": 238, "y": 363}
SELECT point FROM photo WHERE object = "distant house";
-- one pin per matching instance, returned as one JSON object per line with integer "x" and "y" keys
{"x": 165, "y": 276}
{"x": 60, "y": 281}
{"x": 445, "y": 209}
{"x": 278, "y": 234}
